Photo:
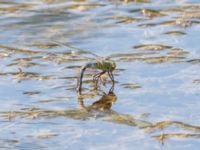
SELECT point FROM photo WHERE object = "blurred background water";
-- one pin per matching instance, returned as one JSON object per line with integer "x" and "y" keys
{"x": 155, "y": 104}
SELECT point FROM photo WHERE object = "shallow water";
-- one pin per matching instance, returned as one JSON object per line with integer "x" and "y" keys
{"x": 155, "y": 104}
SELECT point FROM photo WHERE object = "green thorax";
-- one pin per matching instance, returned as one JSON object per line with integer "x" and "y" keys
{"x": 106, "y": 65}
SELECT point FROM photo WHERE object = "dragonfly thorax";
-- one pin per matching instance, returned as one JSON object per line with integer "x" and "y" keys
{"x": 106, "y": 65}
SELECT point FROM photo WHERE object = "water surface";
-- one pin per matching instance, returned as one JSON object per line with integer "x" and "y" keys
{"x": 155, "y": 104}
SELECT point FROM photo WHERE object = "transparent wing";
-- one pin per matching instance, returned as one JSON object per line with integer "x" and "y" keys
{"x": 76, "y": 49}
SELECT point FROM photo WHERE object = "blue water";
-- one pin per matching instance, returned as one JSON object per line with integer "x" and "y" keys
{"x": 157, "y": 87}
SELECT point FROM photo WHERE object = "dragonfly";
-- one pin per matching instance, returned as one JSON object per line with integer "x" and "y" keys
{"x": 105, "y": 64}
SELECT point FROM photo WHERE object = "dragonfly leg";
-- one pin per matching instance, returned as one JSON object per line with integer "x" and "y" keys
{"x": 79, "y": 83}
{"x": 97, "y": 76}
{"x": 112, "y": 79}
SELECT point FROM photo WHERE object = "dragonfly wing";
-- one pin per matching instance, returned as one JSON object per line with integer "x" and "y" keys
{"x": 76, "y": 49}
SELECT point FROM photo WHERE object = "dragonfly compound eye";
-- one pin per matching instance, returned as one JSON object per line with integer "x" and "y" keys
{"x": 113, "y": 65}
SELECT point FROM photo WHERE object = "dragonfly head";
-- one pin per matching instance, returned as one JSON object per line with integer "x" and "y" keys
{"x": 113, "y": 65}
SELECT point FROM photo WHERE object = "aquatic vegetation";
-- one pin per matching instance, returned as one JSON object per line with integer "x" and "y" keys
{"x": 31, "y": 92}
{"x": 125, "y": 19}
{"x": 130, "y": 86}
{"x": 152, "y": 47}
{"x": 163, "y": 137}
{"x": 175, "y": 33}
{"x": 17, "y": 50}
{"x": 137, "y": 1}
{"x": 43, "y": 134}
{"x": 197, "y": 81}
{"x": 194, "y": 61}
